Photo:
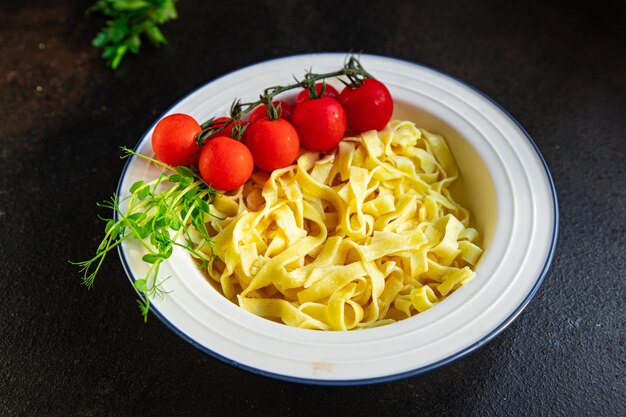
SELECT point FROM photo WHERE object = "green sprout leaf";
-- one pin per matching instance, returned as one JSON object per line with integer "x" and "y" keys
{"x": 136, "y": 186}
{"x": 192, "y": 192}
{"x": 184, "y": 171}
{"x": 186, "y": 181}
{"x": 143, "y": 193}
{"x": 203, "y": 206}
{"x": 175, "y": 224}
{"x": 141, "y": 285}
{"x": 152, "y": 257}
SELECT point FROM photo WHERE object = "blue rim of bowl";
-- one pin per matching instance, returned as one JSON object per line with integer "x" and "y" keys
{"x": 388, "y": 378}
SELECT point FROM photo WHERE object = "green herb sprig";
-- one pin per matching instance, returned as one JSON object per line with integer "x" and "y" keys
{"x": 129, "y": 21}
{"x": 156, "y": 217}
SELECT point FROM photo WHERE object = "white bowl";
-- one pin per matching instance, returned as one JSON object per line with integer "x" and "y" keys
{"x": 505, "y": 184}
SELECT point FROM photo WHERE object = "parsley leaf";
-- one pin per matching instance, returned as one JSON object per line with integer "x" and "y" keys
{"x": 129, "y": 22}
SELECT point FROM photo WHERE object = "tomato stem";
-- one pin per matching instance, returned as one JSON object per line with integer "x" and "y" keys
{"x": 352, "y": 69}
{"x": 313, "y": 90}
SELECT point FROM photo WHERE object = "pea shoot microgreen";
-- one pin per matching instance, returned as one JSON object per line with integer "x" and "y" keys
{"x": 156, "y": 216}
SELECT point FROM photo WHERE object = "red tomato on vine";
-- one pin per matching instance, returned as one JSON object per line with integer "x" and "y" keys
{"x": 368, "y": 106}
{"x": 321, "y": 123}
{"x": 274, "y": 144}
{"x": 225, "y": 164}
{"x": 174, "y": 140}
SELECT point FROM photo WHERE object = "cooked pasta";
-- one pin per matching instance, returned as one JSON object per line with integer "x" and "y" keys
{"x": 363, "y": 236}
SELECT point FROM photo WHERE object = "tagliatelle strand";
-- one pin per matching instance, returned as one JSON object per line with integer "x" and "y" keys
{"x": 360, "y": 237}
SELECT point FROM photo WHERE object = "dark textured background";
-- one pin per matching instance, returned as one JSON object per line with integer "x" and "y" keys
{"x": 559, "y": 68}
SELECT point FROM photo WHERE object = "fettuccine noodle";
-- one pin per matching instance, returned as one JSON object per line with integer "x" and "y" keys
{"x": 363, "y": 236}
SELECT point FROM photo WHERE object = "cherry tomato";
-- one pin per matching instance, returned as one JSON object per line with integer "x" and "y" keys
{"x": 173, "y": 140}
{"x": 260, "y": 113}
{"x": 368, "y": 107}
{"x": 321, "y": 123}
{"x": 229, "y": 130}
{"x": 274, "y": 144}
{"x": 330, "y": 91}
{"x": 225, "y": 163}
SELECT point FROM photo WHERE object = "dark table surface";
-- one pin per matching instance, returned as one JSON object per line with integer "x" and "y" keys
{"x": 559, "y": 68}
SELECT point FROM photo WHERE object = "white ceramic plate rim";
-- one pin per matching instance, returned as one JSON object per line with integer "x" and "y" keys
{"x": 254, "y": 359}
